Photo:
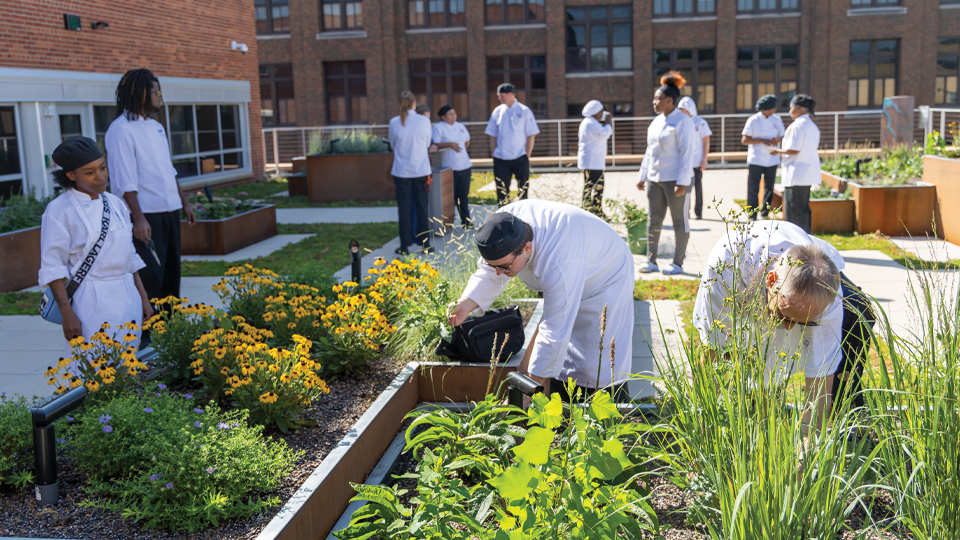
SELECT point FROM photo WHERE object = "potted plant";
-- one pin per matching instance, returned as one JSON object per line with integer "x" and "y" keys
{"x": 225, "y": 225}
{"x": 349, "y": 165}
{"x": 634, "y": 219}
{"x": 20, "y": 241}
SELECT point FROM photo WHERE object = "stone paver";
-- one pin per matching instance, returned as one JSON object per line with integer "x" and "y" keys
{"x": 928, "y": 249}
{"x": 376, "y": 214}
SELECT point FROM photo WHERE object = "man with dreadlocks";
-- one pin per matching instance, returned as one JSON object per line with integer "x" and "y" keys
{"x": 142, "y": 172}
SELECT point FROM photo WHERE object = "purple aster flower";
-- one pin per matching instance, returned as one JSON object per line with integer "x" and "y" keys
{"x": 169, "y": 485}
{"x": 210, "y": 470}
{"x": 61, "y": 441}
{"x": 107, "y": 429}
{"x": 154, "y": 458}
{"x": 187, "y": 396}
{"x": 104, "y": 418}
{"x": 198, "y": 411}
{"x": 69, "y": 419}
{"x": 223, "y": 425}
{"x": 236, "y": 424}
{"x": 3, "y": 394}
{"x": 153, "y": 478}
{"x": 196, "y": 424}
{"x": 162, "y": 386}
{"x": 147, "y": 410}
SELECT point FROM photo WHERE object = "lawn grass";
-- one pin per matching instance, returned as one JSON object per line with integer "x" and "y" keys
{"x": 19, "y": 303}
{"x": 879, "y": 242}
{"x": 666, "y": 289}
{"x": 324, "y": 253}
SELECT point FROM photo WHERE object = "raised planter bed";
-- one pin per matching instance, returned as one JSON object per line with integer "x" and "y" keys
{"x": 349, "y": 177}
{"x": 222, "y": 236}
{"x": 826, "y": 215}
{"x": 892, "y": 210}
{"x": 944, "y": 173}
{"x": 19, "y": 259}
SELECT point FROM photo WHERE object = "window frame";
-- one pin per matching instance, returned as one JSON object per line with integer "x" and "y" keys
{"x": 694, "y": 66}
{"x": 505, "y": 6}
{"x": 695, "y": 10}
{"x": 954, "y": 55}
{"x": 18, "y": 137}
{"x": 873, "y": 4}
{"x": 463, "y": 114}
{"x": 755, "y": 7}
{"x": 778, "y": 62}
{"x": 446, "y": 15}
{"x": 346, "y": 77}
{"x": 272, "y": 79}
{"x": 872, "y": 71}
{"x": 528, "y": 71}
{"x": 197, "y": 155}
{"x": 609, "y": 22}
{"x": 269, "y": 18}
{"x": 343, "y": 16}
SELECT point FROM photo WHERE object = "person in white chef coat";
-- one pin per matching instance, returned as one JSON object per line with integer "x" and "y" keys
{"x": 761, "y": 134}
{"x": 452, "y": 139}
{"x": 770, "y": 282}
{"x": 513, "y": 131}
{"x": 595, "y": 131}
{"x": 668, "y": 169}
{"x": 410, "y": 140}
{"x": 688, "y": 107}
{"x": 801, "y": 161}
{"x": 580, "y": 264}
{"x": 111, "y": 292}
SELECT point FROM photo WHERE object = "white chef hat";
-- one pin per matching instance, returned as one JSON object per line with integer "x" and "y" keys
{"x": 592, "y": 108}
{"x": 687, "y": 103}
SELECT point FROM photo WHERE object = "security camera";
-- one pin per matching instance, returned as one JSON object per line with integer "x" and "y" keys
{"x": 242, "y": 47}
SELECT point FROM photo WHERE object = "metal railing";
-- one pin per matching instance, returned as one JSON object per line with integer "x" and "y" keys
{"x": 556, "y": 145}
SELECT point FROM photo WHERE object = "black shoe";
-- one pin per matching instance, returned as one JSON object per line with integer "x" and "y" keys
{"x": 699, "y": 217}
{"x": 428, "y": 250}
{"x": 401, "y": 251}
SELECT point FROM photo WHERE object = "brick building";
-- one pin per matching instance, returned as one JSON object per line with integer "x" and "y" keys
{"x": 326, "y": 62}
{"x": 61, "y": 60}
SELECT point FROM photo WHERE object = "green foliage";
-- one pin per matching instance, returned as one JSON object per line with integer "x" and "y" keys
{"x": 625, "y": 211}
{"x": 824, "y": 191}
{"x": 21, "y": 212}
{"x": 16, "y": 445}
{"x": 218, "y": 208}
{"x": 937, "y": 146}
{"x": 893, "y": 167}
{"x": 353, "y": 141}
{"x": 168, "y": 465}
{"x": 20, "y": 303}
{"x": 174, "y": 329}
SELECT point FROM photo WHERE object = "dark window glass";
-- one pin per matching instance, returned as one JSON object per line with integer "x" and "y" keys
{"x": 948, "y": 60}
{"x": 872, "y": 73}
{"x": 527, "y": 73}
{"x": 277, "y": 100}
{"x": 683, "y": 8}
{"x": 341, "y": 15}
{"x": 435, "y": 13}
{"x": 441, "y": 82}
{"x": 767, "y": 6}
{"x": 699, "y": 74}
{"x": 9, "y": 149}
{"x": 272, "y": 16}
{"x": 103, "y": 116}
{"x": 766, "y": 70}
{"x": 873, "y": 3}
{"x": 501, "y": 12}
{"x": 346, "y": 84}
{"x": 598, "y": 41}
{"x": 70, "y": 126}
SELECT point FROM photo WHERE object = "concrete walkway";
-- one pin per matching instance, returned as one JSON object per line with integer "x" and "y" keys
{"x": 373, "y": 214}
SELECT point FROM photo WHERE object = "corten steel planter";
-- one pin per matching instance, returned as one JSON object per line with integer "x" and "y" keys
{"x": 222, "y": 236}
{"x": 826, "y": 215}
{"x": 297, "y": 184}
{"x": 944, "y": 173}
{"x": 349, "y": 177}
{"x": 892, "y": 210}
{"x": 19, "y": 259}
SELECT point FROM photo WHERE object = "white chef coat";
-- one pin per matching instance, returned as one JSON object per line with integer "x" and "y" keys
{"x": 671, "y": 147}
{"x": 411, "y": 144}
{"x": 761, "y": 127}
{"x": 580, "y": 264}
{"x": 740, "y": 255}
{"x": 70, "y": 227}
{"x": 592, "y": 148}
{"x": 802, "y": 169}
{"x": 138, "y": 156}
{"x": 456, "y": 133}
{"x": 703, "y": 130}
{"x": 511, "y": 126}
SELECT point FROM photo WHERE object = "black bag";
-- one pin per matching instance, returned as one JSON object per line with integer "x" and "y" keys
{"x": 475, "y": 338}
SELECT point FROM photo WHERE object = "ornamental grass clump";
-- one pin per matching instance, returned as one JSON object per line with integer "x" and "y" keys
{"x": 16, "y": 445}
{"x": 294, "y": 311}
{"x": 245, "y": 291}
{"x": 108, "y": 367}
{"x": 173, "y": 331}
{"x": 356, "y": 330}
{"x": 219, "y": 352}
{"x": 165, "y": 463}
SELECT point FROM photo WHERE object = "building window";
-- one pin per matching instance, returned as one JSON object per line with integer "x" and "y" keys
{"x": 346, "y": 92}
{"x": 436, "y": 13}
{"x": 441, "y": 82}
{"x": 205, "y": 139}
{"x": 767, "y": 6}
{"x": 342, "y": 15}
{"x": 948, "y": 58}
{"x": 698, "y": 67}
{"x": 873, "y": 3}
{"x": 514, "y": 11}
{"x": 683, "y": 8}
{"x": 605, "y": 32}
{"x": 273, "y": 16}
{"x": 873, "y": 72}
{"x": 527, "y": 74}
{"x": 11, "y": 176}
{"x": 769, "y": 69}
{"x": 277, "y": 104}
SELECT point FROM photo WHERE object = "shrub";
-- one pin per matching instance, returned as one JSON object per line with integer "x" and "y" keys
{"x": 22, "y": 212}
{"x": 354, "y": 141}
{"x": 219, "y": 351}
{"x": 219, "y": 207}
{"x": 167, "y": 464}
{"x": 298, "y": 314}
{"x": 245, "y": 295}
{"x": 174, "y": 330}
{"x": 397, "y": 282}
{"x": 824, "y": 191}
{"x": 16, "y": 445}
{"x": 356, "y": 331}
{"x": 625, "y": 211}
{"x": 106, "y": 366}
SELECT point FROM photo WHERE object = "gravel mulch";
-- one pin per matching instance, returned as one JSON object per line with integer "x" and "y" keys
{"x": 335, "y": 414}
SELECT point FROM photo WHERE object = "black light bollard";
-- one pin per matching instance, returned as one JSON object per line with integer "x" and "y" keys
{"x": 46, "y": 487}
{"x": 332, "y": 143}
{"x": 519, "y": 385}
{"x": 355, "y": 261}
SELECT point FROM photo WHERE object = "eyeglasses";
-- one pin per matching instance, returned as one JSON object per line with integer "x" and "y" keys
{"x": 157, "y": 92}
{"x": 778, "y": 315}
{"x": 504, "y": 268}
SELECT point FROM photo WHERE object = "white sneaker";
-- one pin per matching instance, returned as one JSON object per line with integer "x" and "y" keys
{"x": 648, "y": 268}
{"x": 673, "y": 270}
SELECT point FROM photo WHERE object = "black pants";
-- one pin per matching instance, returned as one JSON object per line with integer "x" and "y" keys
{"x": 593, "y": 191}
{"x": 503, "y": 169}
{"x": 858, "y": 319}
{"x": 753, "y": 186}
{"x": 698, "y": 192}
{"x": 796, "y": 206}
{"x": 412, "y": 192}
{"x": 461, "y": 194}
{"x": 620, "y": 392}
{"x": 161, "y": 279}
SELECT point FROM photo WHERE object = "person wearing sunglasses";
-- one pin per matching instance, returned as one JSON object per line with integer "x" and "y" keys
{"x": 770, "y": 283}
{"x": 581, "y": 266}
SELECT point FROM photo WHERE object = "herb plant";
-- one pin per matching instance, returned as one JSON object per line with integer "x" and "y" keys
{"x": 21, "y": 212}
{"x": 16, "y": 445}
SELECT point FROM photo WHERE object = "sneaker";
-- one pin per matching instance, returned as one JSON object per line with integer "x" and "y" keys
{"x": 648, "y": 268}
{"x": 673, "y": 270}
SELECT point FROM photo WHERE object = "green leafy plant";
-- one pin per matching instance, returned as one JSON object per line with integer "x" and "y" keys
{"x": 219, "y": 207}
{"x": 246, "y": 294}
{"x": 21, "y": 212}
{"x": 162, "y": 462}
{"x": 354, "y": 141}
{"x": 824, "y": 191}
{"x": 16, "y": 445}
{"x": 625, "y": 211}
{"x": 173, "y": 331}
{"x": 893, "y": 167}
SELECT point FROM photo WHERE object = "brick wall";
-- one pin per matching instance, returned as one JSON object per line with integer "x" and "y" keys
{"x": 172, "y": 38}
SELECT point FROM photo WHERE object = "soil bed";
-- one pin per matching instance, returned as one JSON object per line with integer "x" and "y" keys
{"x": 335, "y": 414}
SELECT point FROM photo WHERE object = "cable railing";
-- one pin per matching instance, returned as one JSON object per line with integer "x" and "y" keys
{"x": 556, "y": 146}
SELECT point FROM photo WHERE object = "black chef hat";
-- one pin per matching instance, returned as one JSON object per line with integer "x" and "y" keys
{"x": 443, "y": 110}
{"x": 767, "y": 102}
{"x": 500, "y": 235}
{"x": 76, "y": 152}
{"x": 506, "y": 88}
{"x": 805, "y": 101}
